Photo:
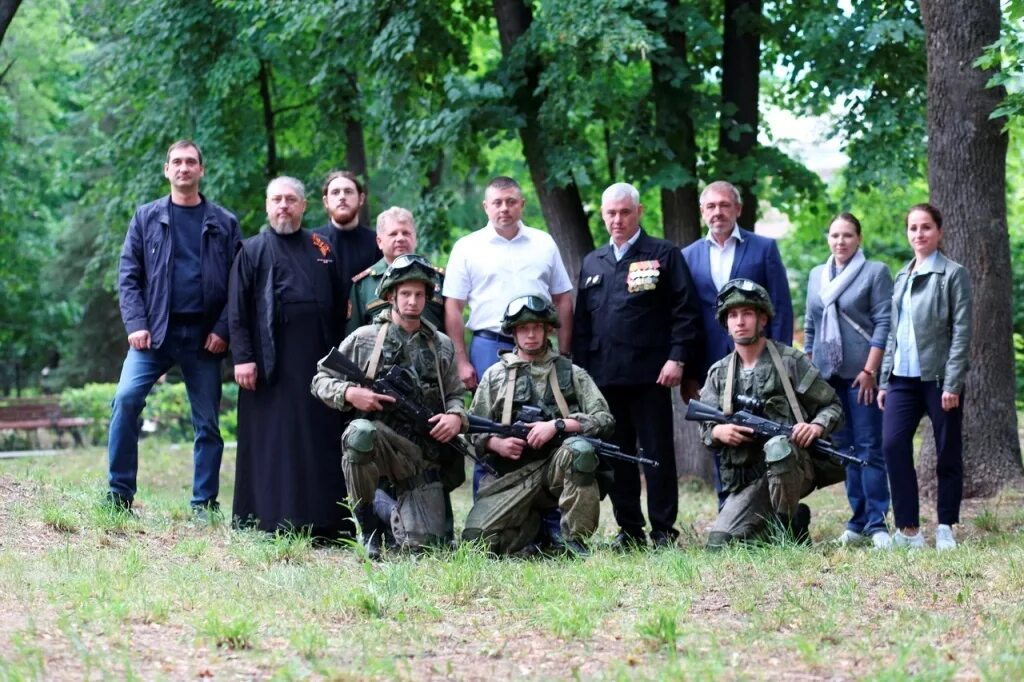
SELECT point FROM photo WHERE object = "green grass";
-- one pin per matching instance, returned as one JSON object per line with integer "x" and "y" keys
{"x": 87, "y": 592}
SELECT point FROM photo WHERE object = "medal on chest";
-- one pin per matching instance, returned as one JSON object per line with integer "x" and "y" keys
{"x": 643, "y": 276}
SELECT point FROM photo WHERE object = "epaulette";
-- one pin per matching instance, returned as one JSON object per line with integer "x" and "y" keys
{"x": 362, "y": 275}
{"x": 440, "y": 271}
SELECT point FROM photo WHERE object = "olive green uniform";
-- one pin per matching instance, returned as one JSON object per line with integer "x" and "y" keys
{"x": 383, "y": 445}
{"x": 767, "y": 480}
{"x": 509, "y": 509}
{"x": 364, "y": 304}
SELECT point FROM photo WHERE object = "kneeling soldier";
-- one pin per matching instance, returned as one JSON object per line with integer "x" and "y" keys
{"x": 384, "y": 444}
{"x": 549, "y": 468}
{"x": 765, "y": 481}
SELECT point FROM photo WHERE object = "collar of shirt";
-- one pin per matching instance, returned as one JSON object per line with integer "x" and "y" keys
{"x": 496, "y": 237}
{"x": 927, "y": 266}
{"x": 620, "y": 252}
{"x": 735, "y": 234}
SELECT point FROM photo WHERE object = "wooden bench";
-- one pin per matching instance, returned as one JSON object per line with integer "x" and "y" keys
{"x": 34, "y": 414}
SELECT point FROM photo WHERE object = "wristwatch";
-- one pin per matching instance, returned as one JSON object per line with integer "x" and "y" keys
{"x": 559, "y": 426}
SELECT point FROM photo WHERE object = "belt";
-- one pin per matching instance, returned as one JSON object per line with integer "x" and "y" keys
{"x": 494, "y": 336}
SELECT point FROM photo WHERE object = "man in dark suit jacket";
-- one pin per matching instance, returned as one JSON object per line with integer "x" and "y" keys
{"x": 727, "y": 252}
{"x": 637, "y": 323}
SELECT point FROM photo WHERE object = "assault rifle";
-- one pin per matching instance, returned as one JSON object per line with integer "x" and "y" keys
{"x": 395, "y": 383}
{"x": 529, "y": 414}
{"x": 765, "y": 428}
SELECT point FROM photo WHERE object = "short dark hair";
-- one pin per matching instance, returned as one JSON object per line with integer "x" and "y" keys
{"x": 929, "y": 209}
{"x": 349, "y": 175}
{"x": 503, "y": 182}
{"x": 182, "y": 144}
{"x": 848, "y": 217}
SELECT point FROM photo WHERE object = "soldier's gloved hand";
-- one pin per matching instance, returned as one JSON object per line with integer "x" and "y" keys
{"x": 732, "y": 434}
{"x": 365, "y": 400}
{"x": 806, "y": 433}
{"x": 509, "y": 448}
{"x": 446, "y": 427}
{"x": 540, "y": 433}
{"x": 467, "y": 373}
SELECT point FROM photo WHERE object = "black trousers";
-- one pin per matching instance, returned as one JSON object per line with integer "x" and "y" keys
{"x": 643, "y": 414}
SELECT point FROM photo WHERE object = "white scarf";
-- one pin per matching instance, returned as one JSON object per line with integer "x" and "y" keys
{"x": 829, "y": 346}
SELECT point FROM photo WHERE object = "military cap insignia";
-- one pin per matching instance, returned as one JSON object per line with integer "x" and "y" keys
{"x": 643, "y": 276}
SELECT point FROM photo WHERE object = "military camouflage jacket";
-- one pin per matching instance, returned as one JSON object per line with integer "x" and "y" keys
{"x": 364, "y": 305}
{"x": 585, "y": 402}
{"x": 816, "y": 397}
{"x": 411, "y": 351}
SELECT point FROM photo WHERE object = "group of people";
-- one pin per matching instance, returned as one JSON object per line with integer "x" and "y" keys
{"x": 351, "y": 357}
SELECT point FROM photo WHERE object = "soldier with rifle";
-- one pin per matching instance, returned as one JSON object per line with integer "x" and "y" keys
{"x": 766, "y": 479}
{"x": 547, "y": 465}
{"x": 391, "y": 441}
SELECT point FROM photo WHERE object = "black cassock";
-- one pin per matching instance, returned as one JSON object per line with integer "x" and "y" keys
{"x": 282, "y": 310}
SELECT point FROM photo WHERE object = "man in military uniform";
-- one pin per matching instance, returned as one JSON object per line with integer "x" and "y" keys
{"x": 541, "y": 472}
{"x": 396, "y": 236}
{"x": 765, "y": 481}
{"x": 383, "y": 445}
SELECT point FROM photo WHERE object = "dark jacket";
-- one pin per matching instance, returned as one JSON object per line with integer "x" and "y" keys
{"x": 624, "y": 337}
{"x": 253, "y": 307}
{"x": 144, "y": 274}
{"x": 757, "y": 258}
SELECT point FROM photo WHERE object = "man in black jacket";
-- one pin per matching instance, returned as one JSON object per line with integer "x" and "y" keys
{"x": 637, "y": 323}
{"x": 173, "y": 285}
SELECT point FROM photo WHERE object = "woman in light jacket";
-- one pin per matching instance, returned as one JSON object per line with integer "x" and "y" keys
{"x": 846, "y": 326}
{"x": 923, "y": 371}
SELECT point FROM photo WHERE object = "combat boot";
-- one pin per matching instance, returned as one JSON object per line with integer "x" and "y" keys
{"x": 371, "y": 530}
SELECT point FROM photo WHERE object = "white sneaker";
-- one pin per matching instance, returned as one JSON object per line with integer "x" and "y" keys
{"x": 908, "y": 541}
{"x": 850, "y": 537}
{"x": 881, "y": 540}
{"x": 944, "y": 538}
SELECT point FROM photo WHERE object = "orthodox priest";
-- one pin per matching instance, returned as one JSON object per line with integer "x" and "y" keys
{"x": 282, "y": 314}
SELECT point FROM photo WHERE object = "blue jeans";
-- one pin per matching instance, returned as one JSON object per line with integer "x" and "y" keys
{"x": 183, "y": 346}
{"x": 482, "y": 354}
{"x": 867, "y": 488}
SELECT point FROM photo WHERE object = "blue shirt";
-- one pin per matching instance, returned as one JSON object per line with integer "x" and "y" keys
{"x": 624, "y": 249}
{"x": 906, "y": 361}
{"x": 186, "y": 273}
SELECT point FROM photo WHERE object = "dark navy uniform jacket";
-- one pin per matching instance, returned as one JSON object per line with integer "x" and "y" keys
{"x": 635, "y": 314}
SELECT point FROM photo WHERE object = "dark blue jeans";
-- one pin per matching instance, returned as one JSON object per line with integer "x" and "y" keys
{"x": 482, "y": 354}
{"x": 183, "y": 346}
{"x": 867, "y": 488}
{"x": 907, "y": 400}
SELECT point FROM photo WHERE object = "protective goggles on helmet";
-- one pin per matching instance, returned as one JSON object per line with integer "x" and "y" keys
{"x": 536, "y": 304}
{"x": 409, "y": 260}
{"x": 745, "y": 286}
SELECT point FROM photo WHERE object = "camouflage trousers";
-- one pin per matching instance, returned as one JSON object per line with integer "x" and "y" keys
{"x": 509, "y": 510}
{"x": 747, "y": 512}
{"x": 418, "y": 517}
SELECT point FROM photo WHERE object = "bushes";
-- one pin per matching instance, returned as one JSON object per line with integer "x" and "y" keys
{"x": 167, "y": 409}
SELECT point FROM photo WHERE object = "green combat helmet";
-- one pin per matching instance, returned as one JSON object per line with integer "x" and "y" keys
{"x": 742, "y": 292}
{"x": 408, "y": 268}
{"x": 529, "y": 308}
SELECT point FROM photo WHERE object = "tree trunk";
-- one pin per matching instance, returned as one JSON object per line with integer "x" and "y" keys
{"x": 673, "y": 98}
{"x": 270, "y": 170}
{"x": 737, "y": 126}
{"x": 355, "y": 144}
{"x": 562, "y": 206}
{"x": 967, "y": 182}
{"x": 7, "y": 11}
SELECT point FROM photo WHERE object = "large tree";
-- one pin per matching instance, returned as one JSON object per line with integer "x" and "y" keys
{"x": 967, "y": 182}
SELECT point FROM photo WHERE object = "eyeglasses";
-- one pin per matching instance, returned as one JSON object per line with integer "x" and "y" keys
{"x": 535, "y": 303}
{"x": 745, "y": 285}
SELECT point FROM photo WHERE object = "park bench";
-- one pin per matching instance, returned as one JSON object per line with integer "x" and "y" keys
{"x": 39, "y": 414}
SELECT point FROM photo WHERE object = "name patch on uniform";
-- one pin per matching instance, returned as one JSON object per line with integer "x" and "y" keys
{"x": 643, "y": 276}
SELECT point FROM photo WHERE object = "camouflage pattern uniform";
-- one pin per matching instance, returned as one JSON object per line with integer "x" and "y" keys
{"x": 509, "y": 509}
{"x": 382, "y": 446}
{"x": 768, "y": 480}
{"x": 364, "y": 304}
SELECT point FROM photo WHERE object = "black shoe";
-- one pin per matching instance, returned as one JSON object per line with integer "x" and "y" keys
{"x": 662, "y": 539}
{"x": 207, "y": 511}
{"x": 570, "y": 548}
{"x": 371, "y": 530}
{"x": 118, "y": 502}
{"x": 802, "y": 524}
{"x": 629, "y": 542}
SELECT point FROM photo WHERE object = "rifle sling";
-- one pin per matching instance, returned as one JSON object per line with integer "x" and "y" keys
{"x": 787, "y": 385}
{"x": 563, "y": 406}
{"x": 510, "y": 393}
{"x": 378, "y": 349}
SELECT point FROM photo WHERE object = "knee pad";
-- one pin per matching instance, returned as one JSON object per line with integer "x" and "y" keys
{"x": 778, "y": 454}
{"x": 584, "y": 460}
{"x": 357, "y": 442}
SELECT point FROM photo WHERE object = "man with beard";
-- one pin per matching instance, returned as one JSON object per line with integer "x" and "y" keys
{"x": 396, "y": 236}
{"x": 354, "y": 245}
{"x": 282, "y": 313}
{"x": 173, "y": 286}
{"x": 540, "y": 473}
{"x": 382, "y": 443}
{"x": 764, "y": 482}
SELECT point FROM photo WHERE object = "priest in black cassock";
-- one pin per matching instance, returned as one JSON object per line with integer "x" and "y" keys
{"x": 281, "y": 316}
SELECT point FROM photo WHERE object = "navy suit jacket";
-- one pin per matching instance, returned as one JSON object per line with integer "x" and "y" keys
{"x": 757, "y": 258}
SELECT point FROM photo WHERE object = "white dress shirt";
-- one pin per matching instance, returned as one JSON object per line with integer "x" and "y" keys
{"x": 721, "y": 256}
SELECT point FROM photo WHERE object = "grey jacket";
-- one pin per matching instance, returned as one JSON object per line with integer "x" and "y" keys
{"x": 866, "y": 301}
{"x": 942, "y": 323}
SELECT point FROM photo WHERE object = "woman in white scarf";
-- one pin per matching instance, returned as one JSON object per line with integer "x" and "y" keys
{"x": 845, "y": 328}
